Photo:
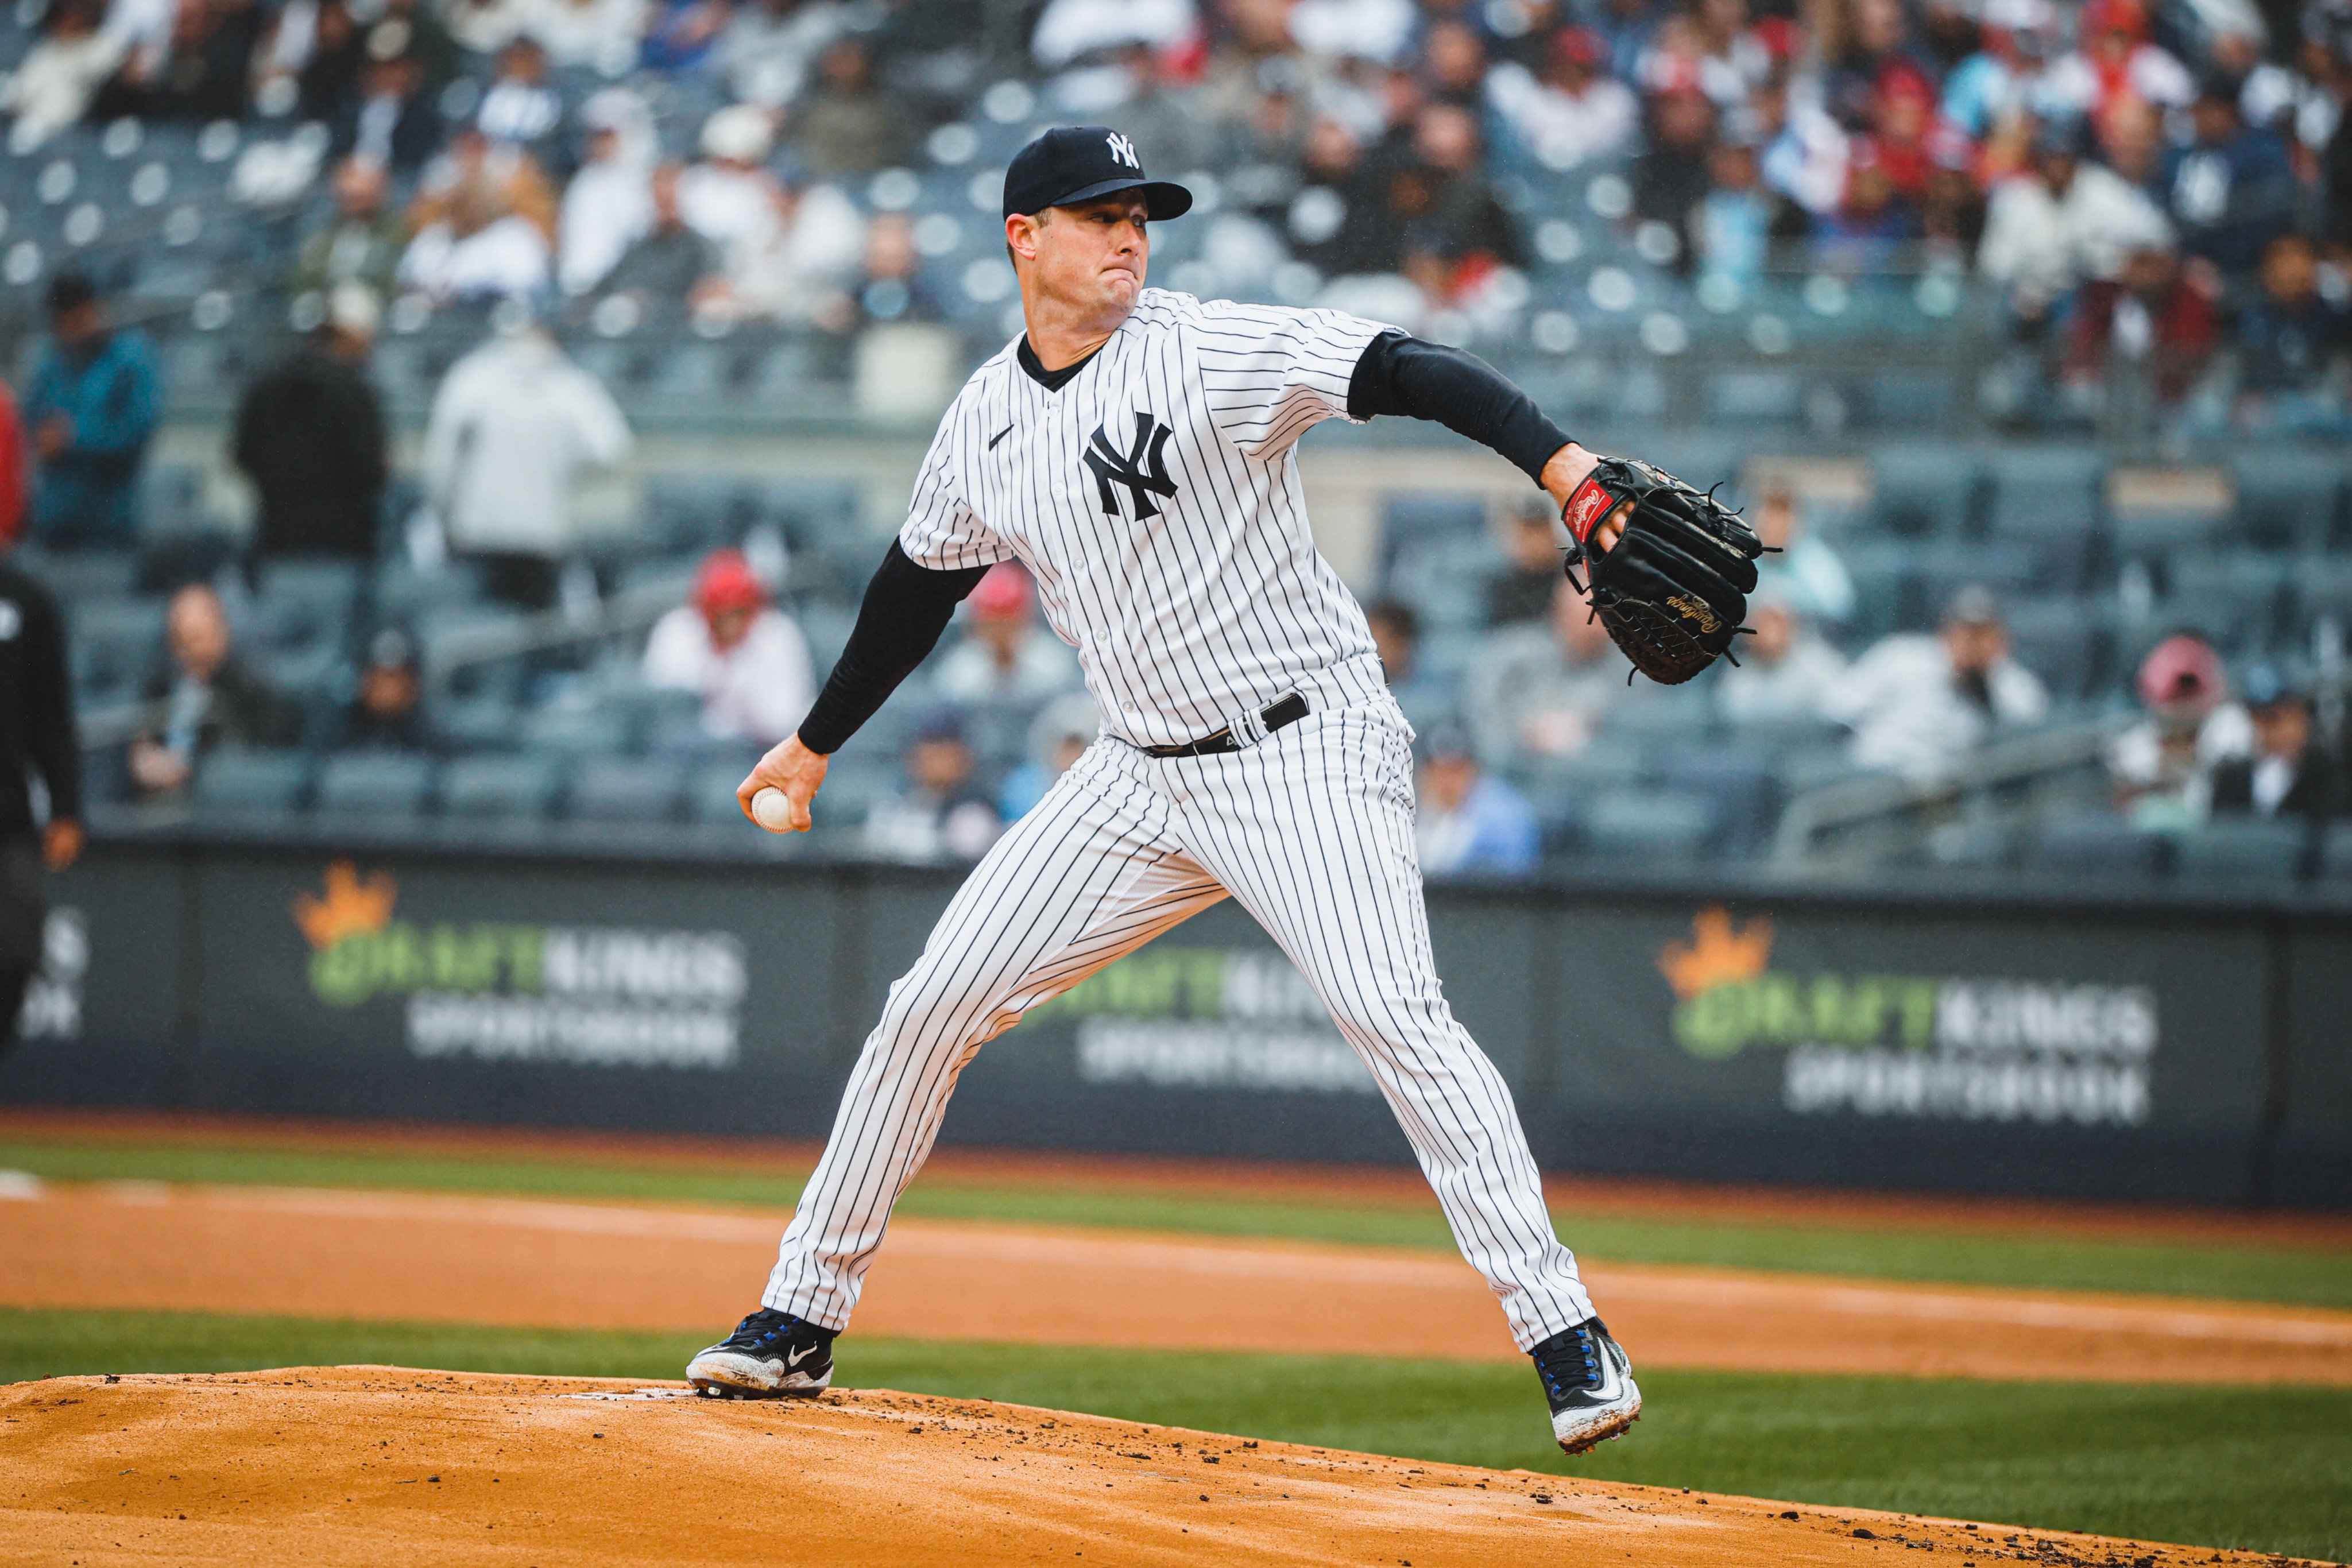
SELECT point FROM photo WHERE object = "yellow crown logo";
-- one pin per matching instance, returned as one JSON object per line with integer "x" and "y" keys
{"x": 349, "y": 907}
{"x": 1715, "y": 955}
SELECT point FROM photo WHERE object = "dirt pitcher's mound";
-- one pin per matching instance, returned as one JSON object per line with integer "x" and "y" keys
{"x": 378, "y": 1465}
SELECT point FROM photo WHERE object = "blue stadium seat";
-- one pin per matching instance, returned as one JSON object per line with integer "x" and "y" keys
{"x": 2065, "y": 641}
{"x": 710, "y": 794}
{"x": 2291, "y": 498}
{"x": 252, "y": 783}
{"x": 114, "y": 640}
{"x": 1648, "y": 827}
{"x": 77, "y": 575}
{"x": 2096, "y": 846}
{"x": 377, "y": 785}
{"x": 626, "y": 789}
{"x": 1415, "y": 520}
{"x": 2047, "y": 484}
{"x": 1924, "y": 489}
{"x": 2239, "y": 601}
{"x": 806, "y": 509}
{"x": 2335, "y": 853}
{"x": 2245, "y": 849}
{"x": 499, "y": 788}
{"x": 1768, "y": 398}
{"x": 854, "y": 785}
{"x": 307, "y": 602}
{"x": 1906, "y": 400}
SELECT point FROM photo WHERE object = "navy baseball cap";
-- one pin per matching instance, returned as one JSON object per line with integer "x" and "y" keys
{"x": 1080, "y": 163}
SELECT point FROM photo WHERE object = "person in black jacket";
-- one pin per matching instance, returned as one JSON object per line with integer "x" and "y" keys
{"x": 200, "y": 695}
{"x": 2290, "y": 774}
{"x": 310, "y": 434}
{"x": 37, "y": 739}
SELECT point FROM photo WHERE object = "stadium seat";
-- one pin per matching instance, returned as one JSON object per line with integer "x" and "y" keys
{"x": 2063, "y": 640}
{"x": 77, "y": 575}
{"x": 2032, "y": 485}
{"x": 306, "y": 603}
{"x": 806, "y": 509}
{"x": 2101, "y": 846}
{"x": 1742, "y": 786}
{"x": 1753, "y": 398}
{"x": 1648, "y": 827}
{"x": 853, "y": 786}
{"x": 170, "y": 560}
{"x": 2239, "y": 600}
{"x": 626, "y": 789}
{"x": 1414, "y": 519}
{"x": 689, "y": 513}
{"x": 380, "y": 786}
{"x": 1924, "y": 489}
{"x": 2290, "y": 498}
{"x": 2243, "y": 850}
{"x": 113, "y": 642}
{"x": 710, "y": 793}
{"x": 1909, "y": 401}
{"x": 499, "y": 788}
{"x": 256, "y": 783}
{"x": 2335, "y": 853}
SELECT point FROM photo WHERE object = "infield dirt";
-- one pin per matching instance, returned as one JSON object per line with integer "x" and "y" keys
{"x": 365, "y": 1466}
{"x": 419, "y": 1257}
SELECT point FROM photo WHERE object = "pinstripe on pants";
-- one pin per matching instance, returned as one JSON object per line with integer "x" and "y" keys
{"x": 1311, "y": 830}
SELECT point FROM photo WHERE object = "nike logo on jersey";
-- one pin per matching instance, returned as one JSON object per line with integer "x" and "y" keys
{"x": 998, "y": 436}
{"x": 1139, "y": 469}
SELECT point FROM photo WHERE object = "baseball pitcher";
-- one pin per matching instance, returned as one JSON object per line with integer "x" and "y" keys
{"x": 1134, "y": 450}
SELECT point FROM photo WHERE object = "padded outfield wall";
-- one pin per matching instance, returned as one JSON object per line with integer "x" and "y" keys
{"x": 2165, "y": 1047}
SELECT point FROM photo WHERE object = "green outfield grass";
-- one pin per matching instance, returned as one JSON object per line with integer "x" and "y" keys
{"x": 2256, "y": 1468}
{"x": 2304, "y": 1277}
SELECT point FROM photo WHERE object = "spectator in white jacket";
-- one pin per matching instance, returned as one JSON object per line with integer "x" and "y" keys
{"x": 1575, "y": 110}
{"x": 1786, "y": 673}
{"x": 747, "y": 658}
{"x": 1919, "y": 703}
{"x": 2064, "y": 221}
{"x": 514, "y": 427}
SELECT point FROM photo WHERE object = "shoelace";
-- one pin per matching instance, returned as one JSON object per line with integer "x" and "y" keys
{"x": 1571, "y": 1361}
{"x": 744, "y": 1337}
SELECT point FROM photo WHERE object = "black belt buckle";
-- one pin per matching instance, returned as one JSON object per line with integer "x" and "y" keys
{"x": 1277, "y": 714}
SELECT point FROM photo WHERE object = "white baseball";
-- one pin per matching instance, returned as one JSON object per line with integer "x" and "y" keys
{"x": 771, "y": 809}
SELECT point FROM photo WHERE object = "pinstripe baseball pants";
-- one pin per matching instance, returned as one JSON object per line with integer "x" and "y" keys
{"x": 1311, "y": 830}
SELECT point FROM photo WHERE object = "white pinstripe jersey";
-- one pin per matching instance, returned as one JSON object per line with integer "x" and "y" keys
{"x": 1155, "y": 496}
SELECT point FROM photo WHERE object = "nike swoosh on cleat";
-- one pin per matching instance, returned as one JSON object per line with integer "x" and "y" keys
{"x": 998, "y": 436}
{"x": 796, "y": 1357}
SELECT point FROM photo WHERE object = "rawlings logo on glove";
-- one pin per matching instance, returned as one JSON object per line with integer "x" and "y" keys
{"x": 1674, "y": 589}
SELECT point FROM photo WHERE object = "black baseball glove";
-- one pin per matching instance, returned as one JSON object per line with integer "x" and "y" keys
{"x": 1674, "y": 586}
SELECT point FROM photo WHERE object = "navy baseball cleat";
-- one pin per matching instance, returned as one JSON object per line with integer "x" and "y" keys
{"x": 1590, "y": 1384}
{"x": 769, "y": 1354}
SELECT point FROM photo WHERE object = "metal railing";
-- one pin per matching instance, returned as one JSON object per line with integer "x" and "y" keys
{"x": 1880, "y": 817}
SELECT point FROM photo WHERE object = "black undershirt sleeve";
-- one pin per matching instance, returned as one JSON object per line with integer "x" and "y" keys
{"x": 1401, "y": 374}
{"x": 905, "y": 610}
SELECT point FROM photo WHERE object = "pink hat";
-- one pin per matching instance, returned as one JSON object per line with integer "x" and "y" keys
{"x": 2181, "y": 669}
{"x": 1002, "y": 594}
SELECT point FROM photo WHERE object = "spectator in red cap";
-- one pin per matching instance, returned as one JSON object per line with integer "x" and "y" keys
{"x": 747, "y": 658}
{"x": 2162, "y": 768}
{"x": 1001, "y": 658}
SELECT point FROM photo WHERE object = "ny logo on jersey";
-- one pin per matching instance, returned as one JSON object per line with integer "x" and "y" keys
{"x": 1122, "y": 149}
{"x": 1138, "y": 468}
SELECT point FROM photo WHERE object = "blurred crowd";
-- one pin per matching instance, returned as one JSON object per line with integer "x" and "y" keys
{"x": 2161, "y": 188}
{"x": 2161, "y": 191}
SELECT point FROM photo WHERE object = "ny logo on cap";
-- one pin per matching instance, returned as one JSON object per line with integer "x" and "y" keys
{"x": 1123, "y": 150}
